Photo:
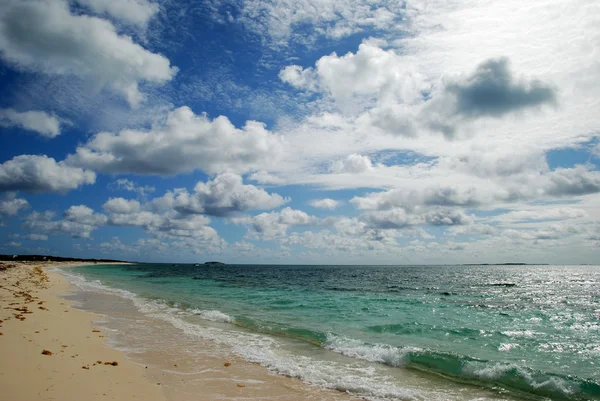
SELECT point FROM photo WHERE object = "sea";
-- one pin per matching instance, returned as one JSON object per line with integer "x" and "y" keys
{"x": 466, "y": 332}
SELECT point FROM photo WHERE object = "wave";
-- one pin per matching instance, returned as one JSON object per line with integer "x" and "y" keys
{"x": 212, "y": 315}
{"x": 267, "y": 351}
{"x": 466, "y": 369}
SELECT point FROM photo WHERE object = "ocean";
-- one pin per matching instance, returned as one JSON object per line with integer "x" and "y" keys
{"x": 381, "y": 332}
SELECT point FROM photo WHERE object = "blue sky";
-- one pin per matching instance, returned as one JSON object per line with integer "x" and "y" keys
{"x": 274, "y": 131}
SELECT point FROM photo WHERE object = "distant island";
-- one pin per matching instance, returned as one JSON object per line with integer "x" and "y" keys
{"x": 214, "y": 263}
{"x": 505, "y": 264}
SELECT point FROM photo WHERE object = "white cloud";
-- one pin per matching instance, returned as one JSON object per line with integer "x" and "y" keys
{"x": 226, "y": 194}
{"x": 399, "y": 218}
{"x": 37, "y": 121}
{"x": 128, "y": 185}
{"x": 137, "y": 12}
{"x": 166, "y": 224}
{"x": 448, "y": 217}
{"x": 326, "y": 203}
{"x": 300, "y": 78}
{"x": 185, "y": 142}
{"x": 78, "y": 222}
{"x": 541, "y": 213}
{"x": 472, "y": 229}
{"x": 283, "y": 21}
{"x": 11, "y": 205}
{"x": 382, "y": 96}
{"x": 84, "y": 215}
{"x": 353, "y": 164}
{"x": 43, "y": 36}
{"x": 369, "y": 76}
{"x": 389, "y": 219}
{"x": 37, "y": 174}
{"x": 275, "y": 224}
{"x": 264, "y": 177}
{"x": 121, "y": 206}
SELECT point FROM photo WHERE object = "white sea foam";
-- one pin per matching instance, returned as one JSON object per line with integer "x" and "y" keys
{"x": 387, "y": 354}
{"x": 212, "y": 315}
{"x": 268, "y": 352}
{"x": 506, "y": 347}
{"x": 519, "y": 333}
{"x": 496, "y": 371}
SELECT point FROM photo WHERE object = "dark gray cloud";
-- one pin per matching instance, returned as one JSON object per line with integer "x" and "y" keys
{"x": 493, "y": 91}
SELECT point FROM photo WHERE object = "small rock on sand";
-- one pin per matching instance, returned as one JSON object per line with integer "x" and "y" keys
{"x": 227, "y": 364}
{"x": 46, "y": 352}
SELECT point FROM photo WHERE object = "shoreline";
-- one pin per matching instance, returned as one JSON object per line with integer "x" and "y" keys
{"x": 72, "y": 371}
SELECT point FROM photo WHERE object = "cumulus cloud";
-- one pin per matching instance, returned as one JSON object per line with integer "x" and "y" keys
{"x": 388, "y": 219}
{"x": 37, "y": 121}
{"x": 371, "y": 73}
{"x": 78, "y": 222}
{"x": 43, "y": 36}
{"x": 326, "y": 203}
{"x": 121, "y": 206}
{"x": 531, "y": 185}
{"x": 575, "y": 181}
{"x": 10, "y": 204}
{"x": 37, "y": 174}
{"x": 275, "y": 224}
{"x": 399, "y": 218}
{"x": 298, "y": 77}
{"x": 185, "y": 142}
{"x": 447, "y": 217}
{"x": 353, "y": 164}
{"x": 84, "y": 215}
{"x": 137, "y": 12}
{"x": 224, "y": 195}
{"x": 166, "y": 223}
{"x": 429, "y": 196}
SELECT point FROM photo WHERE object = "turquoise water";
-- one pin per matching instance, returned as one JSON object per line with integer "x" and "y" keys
{"x": 530, "y": 332}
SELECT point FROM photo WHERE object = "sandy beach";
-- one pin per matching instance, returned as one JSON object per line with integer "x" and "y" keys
{"x": 52, "y": 351}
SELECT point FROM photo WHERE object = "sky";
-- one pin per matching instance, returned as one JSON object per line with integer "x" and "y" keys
{"x": 300, "y": 132}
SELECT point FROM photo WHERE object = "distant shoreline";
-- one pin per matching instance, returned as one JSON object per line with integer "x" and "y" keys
{"x": 50, "y": 258}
